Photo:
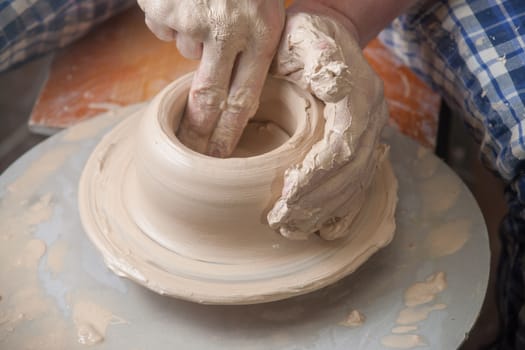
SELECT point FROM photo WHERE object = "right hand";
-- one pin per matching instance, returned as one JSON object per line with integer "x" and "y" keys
{"x": 236, "y": 41}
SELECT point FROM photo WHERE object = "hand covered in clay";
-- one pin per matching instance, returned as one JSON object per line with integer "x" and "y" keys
{"x": 325, "y": 192}
{"x": 236, "y": 41}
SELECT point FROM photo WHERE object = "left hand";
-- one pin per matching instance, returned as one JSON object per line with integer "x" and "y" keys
{"x": 325, "y": 192}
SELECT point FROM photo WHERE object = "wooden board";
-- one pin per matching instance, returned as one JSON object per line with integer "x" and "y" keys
{"x": 122, "y": 62}
{"x": 413, "y": 106}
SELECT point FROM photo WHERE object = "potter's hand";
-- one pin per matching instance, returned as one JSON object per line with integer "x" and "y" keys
{"x": 324, "y": 193}
{"x": 236, "y": 41}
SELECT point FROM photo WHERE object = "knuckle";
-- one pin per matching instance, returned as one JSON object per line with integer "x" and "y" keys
{"x": 243, "y": 103}
{"x": 208, "y": 99}
{"x": 190, "y": 24}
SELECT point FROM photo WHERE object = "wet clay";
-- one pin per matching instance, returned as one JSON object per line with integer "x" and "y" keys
{"x": 419, "y": 294}
{"x": 56, "y": 255}
{"x": 448, "y": 238}
{"x": 440, "y": 193}
{"x": 30, "y": 255}
{"x": 30, "y": 318}
{"x": 404, "y": 329}
{"x": 416, "y": 314}
{"x": 354, "y": 319}
{"x": 404, "y": 341}
{"x": 40, "y": 169}
{"x": 24, "y": 206}
{"x": 260, "y": 137}
{"x": 425, "y": 292}
{"x": 193, "y": 226}
{"x": 417, "y": 298}
{"x": 91, "y": 321}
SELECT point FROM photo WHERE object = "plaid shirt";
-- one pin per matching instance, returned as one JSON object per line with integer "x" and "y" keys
{"x": 29, "y": 28}
{"x": 473, "y": 53}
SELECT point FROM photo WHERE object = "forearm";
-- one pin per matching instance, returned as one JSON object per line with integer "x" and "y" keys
{"x": 364, "y": 18}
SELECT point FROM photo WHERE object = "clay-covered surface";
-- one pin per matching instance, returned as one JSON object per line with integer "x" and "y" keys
{"x": 211, "y": 265}
{"x": 41, "y": 217}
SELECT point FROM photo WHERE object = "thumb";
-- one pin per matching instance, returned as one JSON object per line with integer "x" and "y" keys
{"x": 309, "y": 54}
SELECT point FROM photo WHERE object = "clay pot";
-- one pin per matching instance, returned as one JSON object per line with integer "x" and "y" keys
{"x": 199, "y": 205}
{"x": 194, "y": 227}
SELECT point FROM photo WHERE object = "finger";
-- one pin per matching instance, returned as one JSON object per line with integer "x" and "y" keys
{"x": 312, "y": 212}
{"x": 161, "y": 31}
{"x": 282, "y": 218}
{"x": 340, "y": 223}
{"x": 243, "y": 101}
{"x": 189, "y": 47}
{"x": 207, "y": 96}
{"x": 352, "y": 179}
{"x": 347, "y": 130}
{"x": 331, "y": 220}
{"x": 310, "y": 217}
{"x": 308, "y": 46}
{"x": 341, "y": 182}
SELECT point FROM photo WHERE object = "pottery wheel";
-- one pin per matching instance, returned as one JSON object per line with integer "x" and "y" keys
{"x": 53, "y": 280}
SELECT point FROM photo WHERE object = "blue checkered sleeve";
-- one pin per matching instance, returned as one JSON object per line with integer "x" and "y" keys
{"x": 29, "y": 28}
{"x": 473, "y": 53}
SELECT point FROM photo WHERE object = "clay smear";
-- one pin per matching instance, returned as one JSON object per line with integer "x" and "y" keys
{"x": 39, "y": 171}
{"x": 425, "y": 292}
{"x": 91, "y": 321}
{"x": 440, "y": 193}
{"x": 354, "y": 319}
{"x": 417, "y": 298}
{"x": 22, "y": 208}
{"x": 403, "y": 341}
{"x": 414, "y": 315}
{"x": 20, "y": 304}
{"x": 31, "y": 254}
{"x": 404, "y": 329}
{"x": 18, "y": 215}
{"x": 56, "y": 255}
{"x": 448, "y": 238}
